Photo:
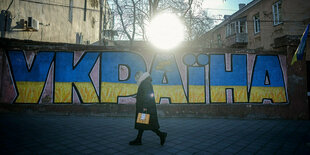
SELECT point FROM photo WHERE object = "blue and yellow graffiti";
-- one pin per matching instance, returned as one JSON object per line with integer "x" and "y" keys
{"x": 166, "y": 79}
{"x": 29, "y": 82}
{"x": 111, "y": 85}
{"x": 267, "y": 81}
{"x": 236, "y": 79}
{"x": 67, "y": 76}
{"x": 115, "y": 77}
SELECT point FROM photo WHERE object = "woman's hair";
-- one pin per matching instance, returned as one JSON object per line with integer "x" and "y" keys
{"x": 138, "y": 75}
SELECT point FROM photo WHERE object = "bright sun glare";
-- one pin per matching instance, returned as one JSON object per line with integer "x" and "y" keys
{"x": 165, "y": 31}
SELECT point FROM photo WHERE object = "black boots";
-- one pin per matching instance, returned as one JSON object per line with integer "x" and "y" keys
{"x": 163, "y": 138}
{"x": 136, "y": 142}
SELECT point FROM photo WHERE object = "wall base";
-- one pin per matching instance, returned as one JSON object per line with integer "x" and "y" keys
{"x": 234, "y": 111}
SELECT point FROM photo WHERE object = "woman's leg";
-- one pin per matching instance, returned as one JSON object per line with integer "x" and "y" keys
{"x": 162, "y": 136}
{"x": 138, "y": 140}
{"x": 158, "y": 133}
{"x": 139, "y": 136}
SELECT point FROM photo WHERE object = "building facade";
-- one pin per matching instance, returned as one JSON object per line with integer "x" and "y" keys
{"x": 66, "y": 21}
{"x": 258, "y": 24}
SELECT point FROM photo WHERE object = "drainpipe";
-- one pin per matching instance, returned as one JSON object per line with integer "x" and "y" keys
{"x": 100, "y": 21}
{"x": 7, "y": 14}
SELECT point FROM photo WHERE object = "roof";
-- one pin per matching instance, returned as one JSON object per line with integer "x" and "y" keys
{"x": 236, "y": 14}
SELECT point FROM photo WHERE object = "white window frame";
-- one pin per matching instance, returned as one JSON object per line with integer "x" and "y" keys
{"x": 231, "y": 29}
{"x": 246, "y": 27}
{"x": 219, "y": 40}
{"x": 233, "y": 26}
{"x": 228, "y": 30}
{"x": 256, "y": 23}
{"x": 276, "y": 13}
{"x": 239, "y": 26}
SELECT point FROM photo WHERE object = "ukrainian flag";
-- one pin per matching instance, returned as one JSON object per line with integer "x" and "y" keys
{"x": 301, "y": 47}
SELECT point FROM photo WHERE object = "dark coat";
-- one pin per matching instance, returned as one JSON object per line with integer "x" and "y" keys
{"x": 145, "y": 99}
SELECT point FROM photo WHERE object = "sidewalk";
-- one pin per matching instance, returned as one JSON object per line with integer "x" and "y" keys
{"x": 51, "y": 134}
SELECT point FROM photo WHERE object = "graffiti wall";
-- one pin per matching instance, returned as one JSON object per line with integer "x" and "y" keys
{"x": 108, "y": 77}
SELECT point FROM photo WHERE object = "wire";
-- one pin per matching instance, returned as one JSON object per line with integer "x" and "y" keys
{"x": 284, "y": 21}
{"x": 10, "y": 5}
{"x": 221, "y": 9}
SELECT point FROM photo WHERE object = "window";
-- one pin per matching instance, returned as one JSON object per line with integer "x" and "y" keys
{"x": 256, "y": 23}
{"x": 242, "y": 26}
{"x": 227, "y": 30}
{"x": 233, "y": 27}
{"x": 230, "y": 29}
{"x": 276, "y": 9}
{"x": 219, "y": 40}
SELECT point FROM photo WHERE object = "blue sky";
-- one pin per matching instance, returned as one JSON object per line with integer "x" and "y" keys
{"x": 218, "y": 7}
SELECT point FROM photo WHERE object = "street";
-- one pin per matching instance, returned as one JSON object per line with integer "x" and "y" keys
{"x": 55, "y": 134}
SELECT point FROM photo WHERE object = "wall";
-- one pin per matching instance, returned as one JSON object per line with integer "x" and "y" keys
{"x": 294, "y": 13}
{"x": 295, "y": 16}
{"x": 197, "y": 82}
{"x": 53, "y": 16}
{"x": 108, "y": 77}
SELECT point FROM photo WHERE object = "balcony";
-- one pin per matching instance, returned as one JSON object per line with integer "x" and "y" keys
{"x": 237, "y": 40}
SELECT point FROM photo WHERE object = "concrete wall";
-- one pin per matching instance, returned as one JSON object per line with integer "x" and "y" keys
{"x": 53, "y": 16}
{"x": 108, "y": 77}
{"x": 187, "y": 82}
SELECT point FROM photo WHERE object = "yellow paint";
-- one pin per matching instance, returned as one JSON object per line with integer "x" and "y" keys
{"x": 175, "y": 92}
{"x": 110, "y": 91}
{"x": 196, "y": 94}
{"x": 63, "y": 92}
{"x": 218, "y": 93}
{"x": 87, "y": 92}
{"x": 163, "y": 64}
{"x": 29, "y": 92}
{"x": 277, "y": 94}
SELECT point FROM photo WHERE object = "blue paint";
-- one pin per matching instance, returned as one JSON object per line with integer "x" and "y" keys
{"x": 189, "y": 59}
{"x": 39, "y": 69}
{"x": 196, "y": 76}
{"x": 270, "y": 64}
{"x": 203, "y": 59}
{"x": 238, "y": 75}
{"x": 165, "y": 63}
{"x": 111, "y": 60}
{"x": 64, "y": 71}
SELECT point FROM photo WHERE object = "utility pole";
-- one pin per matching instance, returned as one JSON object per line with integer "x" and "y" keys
{"x": 100, "y": 22}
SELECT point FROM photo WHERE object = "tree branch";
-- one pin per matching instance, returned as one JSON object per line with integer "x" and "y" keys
{"x": 120, "y": 12}
{"x": 190, "y": 2}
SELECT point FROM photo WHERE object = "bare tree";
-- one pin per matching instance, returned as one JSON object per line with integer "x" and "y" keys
{"x": 134, "y": 14}
{"x": 153, "y": 5}
{"x": 198, "y": 25}
{"x": 194, "y": 16}
{"x": 126, "y": 12}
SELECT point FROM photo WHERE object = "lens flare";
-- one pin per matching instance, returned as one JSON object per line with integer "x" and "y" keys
{"x": 165, "y": 31}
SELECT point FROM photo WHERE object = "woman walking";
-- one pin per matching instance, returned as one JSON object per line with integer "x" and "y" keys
{"x": 146, "y": 104}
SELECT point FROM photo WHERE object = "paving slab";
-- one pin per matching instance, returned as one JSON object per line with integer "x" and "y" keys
{"x": 55, "y": 134}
